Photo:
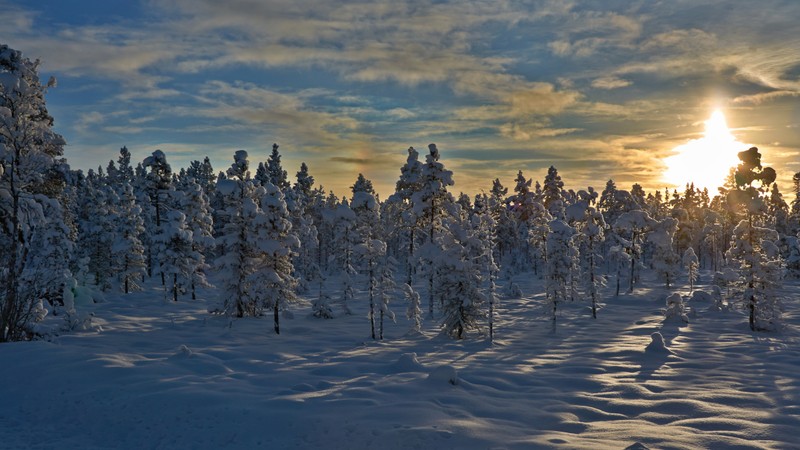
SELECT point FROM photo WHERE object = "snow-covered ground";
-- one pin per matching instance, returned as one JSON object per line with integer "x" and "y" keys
{"x": 169, "y": 375}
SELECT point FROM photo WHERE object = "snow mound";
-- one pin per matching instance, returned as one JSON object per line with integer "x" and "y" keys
{"x": 513, "y": 291}
{"x": 676, "y": 310}
{"x": 657, "y": 344}
{"x": 701, "y": 297}
{"x": 444, "y": 374}
{"x": 183, "y": 352}
{"x": 408, "y": 362}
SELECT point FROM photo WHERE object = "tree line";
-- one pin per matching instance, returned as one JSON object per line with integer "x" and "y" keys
{"x": 266, "y": 241}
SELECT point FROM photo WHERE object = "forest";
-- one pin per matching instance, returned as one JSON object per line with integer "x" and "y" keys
{"x": 267, "y": 242}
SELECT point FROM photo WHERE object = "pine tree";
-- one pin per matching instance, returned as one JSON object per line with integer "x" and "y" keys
{"x": 274, "y": 244}
{"x": 179, "y": 261}
{"x": 235, "y": 242}
{"x": 632, "y": 228}
{"x": 691, "y": 264}
{"x": 458, "y": 284}
{"x": 431, "y": 204}
{"x": 158, "y": 185}
{"x": 561, "y": 259}
{"x": 400, "y": 213}
{"x": 276, "y": 175}
{"x": 127, "y": 251}
{"x": 29, "y": 165}
{"x": 591, "y": 237}
{"x": 413, "y": 312}
{"x": 553, "y": 197}
{"x": 753, "y": 247}
{"x": 665, "y": 261}
{"x": 199, "y": 221}
{"x": 203, "y": 174}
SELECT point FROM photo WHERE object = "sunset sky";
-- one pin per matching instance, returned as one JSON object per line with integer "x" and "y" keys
{"x": 600, "y": 89}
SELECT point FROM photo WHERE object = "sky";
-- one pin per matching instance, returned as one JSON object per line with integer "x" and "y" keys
{"x": 599, "y": 89}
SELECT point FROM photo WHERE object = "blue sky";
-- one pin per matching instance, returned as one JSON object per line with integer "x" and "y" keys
{"x": 600, "y": 89}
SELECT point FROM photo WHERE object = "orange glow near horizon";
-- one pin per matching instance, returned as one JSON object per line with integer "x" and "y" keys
{"x": 705, "y": 161}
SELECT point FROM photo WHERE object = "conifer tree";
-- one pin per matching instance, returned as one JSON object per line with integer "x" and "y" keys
{"x": 691, "y": 264}
{"x": 276, "y": 175}
{"x": 413, "y": 312}
{"x": 179, "y": 261}
{"x": 665, "y": 260}
{"x": 30, "y": 154}
{"x": 458, "y": 284}
{"x": 432, "y": 203}
{"x": 752, "y": 246}
{"x": 199, "y": 221}
{"x": 400, "y": 211}
{"x": 158, "y": 184}
{"x": 561, "y": 259}
{"x": 127, "y": 251}
{"x": 274, "y": 244}
{"x": 553, "y": 197}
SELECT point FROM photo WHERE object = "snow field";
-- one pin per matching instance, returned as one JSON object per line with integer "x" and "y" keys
{"x": 169, "y": 375}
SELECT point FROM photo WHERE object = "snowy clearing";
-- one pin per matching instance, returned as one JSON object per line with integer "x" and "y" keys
{"x": 169, "y": 375}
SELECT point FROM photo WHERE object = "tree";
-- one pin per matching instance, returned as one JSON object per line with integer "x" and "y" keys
{"x": 431, "y": 204}
{"x": 158, "y": 184}
{"x": 179, "y": 260}
{"x": 400, "y": 210}
{"x": 458, "y": 282}
{"x": 413, "y": 312}
{"x": 236, "y": 261}
{"x": 553, "y": 197}
{"x": 691, "y": 264}
{"x": 560, "y": 263}
{"x": 632, "y": 227}
{"x": 127, "y": 251}
{"x": 274, "y": 245}
{"x": 199, "y": 221}
{"x": 29, "y": 167}
{"x": 665, "y": 261}
{"x": 590, "y": 239}
{"x": 275, "y": 173}
{"x": 753, "y": 247}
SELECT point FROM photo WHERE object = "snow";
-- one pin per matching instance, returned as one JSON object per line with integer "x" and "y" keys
{"x": 168, "y": 375}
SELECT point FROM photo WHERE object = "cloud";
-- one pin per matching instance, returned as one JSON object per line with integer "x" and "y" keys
{"x": 343, "y": 159}
{"x": 610, "y": 83}
{"x": 756, "y": 99}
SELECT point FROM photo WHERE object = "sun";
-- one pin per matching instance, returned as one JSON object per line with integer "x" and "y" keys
{"x": 705, "y": 161}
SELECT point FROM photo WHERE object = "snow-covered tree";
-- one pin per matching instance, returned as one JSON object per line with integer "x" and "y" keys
{"x": 676, "y": 309}
{"x": 158, "y": 185}
{"x": 432, "y": 203}
{"x": 413, "y": 311}
{"x": 276, "y": 175}
{"x": 753, "y": 247}
{"x": 631, "y": 229}
{"x": 272, "y": 279}
{"x": 235, "y": 243}
{"x": 127, "y": 251}
{"x": 561, "y": 260}
{"x": 203, "y": 174}
{"x": 29, "y": 173}
{"x": 199, "y": 221}
{"x": 179, "y": 261}
{"x": 458, "y": 283}
{"x": 591, "y": 234}
{"x": 691, "y": 264}
{"x": 665, "y": 261}
{"x": 553, "y": 197}
{"x": 400, "y": 214}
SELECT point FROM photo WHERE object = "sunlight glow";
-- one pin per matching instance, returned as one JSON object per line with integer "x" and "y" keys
{"x": 705, "y": 161}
